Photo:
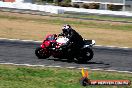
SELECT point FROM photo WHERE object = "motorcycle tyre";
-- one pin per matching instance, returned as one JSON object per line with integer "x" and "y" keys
{"x": 84, "y": 57}
{"x": 39, "y": 55}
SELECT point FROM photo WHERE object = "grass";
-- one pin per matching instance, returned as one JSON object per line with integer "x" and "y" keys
{"x": 41, "y": 77}
{"x": 34, "y": 27}
{"x": 99, "y": 17}
{"x": 82, "y": 23}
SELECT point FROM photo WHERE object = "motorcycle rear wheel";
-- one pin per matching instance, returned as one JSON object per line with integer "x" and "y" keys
{"x": 85, "y": 55}
{"x": 40, "y": 53}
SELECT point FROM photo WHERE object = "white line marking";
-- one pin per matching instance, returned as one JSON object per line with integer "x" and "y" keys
{"x": 29, "y": 65}
{"x": 99, "y": 69}
{"x": 20, "y": 40}
{"x": 112, "y": 47}
{"x": 118, "y": 71}
{"x": 60, "y": 66}
{"x": 41, "y": 41}
{"x": 70, "y": 67}
{"x": 53, "y": 66}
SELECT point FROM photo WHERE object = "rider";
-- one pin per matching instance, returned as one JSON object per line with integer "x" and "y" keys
{"x": 75, "y": 39}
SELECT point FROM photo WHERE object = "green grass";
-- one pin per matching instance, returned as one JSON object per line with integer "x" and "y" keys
{"x": 42, "y": 77}
{"x": 81, "y": 23}
{"x": 99, "y": 17}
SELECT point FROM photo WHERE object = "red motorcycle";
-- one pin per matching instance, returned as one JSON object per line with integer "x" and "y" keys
{"x": 51, "y": 46}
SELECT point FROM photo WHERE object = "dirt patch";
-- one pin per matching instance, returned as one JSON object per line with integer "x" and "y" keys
{"x": 33, "y": 30}
{"x": 25, "y": 30}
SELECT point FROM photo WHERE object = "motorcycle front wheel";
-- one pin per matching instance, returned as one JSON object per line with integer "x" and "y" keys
{"x": 41, "y": 53}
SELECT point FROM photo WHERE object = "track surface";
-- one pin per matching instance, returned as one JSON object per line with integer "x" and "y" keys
{"x": 105, "y": 58}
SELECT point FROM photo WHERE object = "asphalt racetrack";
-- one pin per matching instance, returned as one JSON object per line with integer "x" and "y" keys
{"x": 19, "y": 52}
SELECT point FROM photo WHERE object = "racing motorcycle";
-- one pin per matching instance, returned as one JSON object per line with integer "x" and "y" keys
{"x": 51, "y": 46}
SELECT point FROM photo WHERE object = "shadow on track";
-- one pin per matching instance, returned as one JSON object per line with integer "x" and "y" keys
{"x": 75, "y": 61}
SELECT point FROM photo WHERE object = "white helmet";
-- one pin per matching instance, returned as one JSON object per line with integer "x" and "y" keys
{"x": 66, "y": 26}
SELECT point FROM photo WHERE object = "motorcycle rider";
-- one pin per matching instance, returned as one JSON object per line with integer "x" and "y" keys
{"x": 75, "y": 39}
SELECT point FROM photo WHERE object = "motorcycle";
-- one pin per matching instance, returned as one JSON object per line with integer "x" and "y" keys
{"x": 51, "y": 46}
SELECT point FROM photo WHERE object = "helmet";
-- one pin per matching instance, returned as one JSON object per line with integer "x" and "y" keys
{"x": 66, "y": 26}
{"x": 66, "y": 29}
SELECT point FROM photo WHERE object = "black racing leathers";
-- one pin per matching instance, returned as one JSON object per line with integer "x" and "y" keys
{"x": 75, "y": 39}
